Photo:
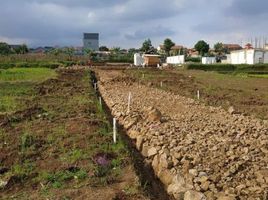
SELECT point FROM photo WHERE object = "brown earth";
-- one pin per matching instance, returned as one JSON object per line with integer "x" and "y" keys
{"x": 47, "y": 151}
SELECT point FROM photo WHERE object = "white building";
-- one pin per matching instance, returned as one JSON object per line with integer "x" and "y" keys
{"x": 138, "y": 59}
{"x": 91, "y": 41}
{"x": 249, "y": 56}
{"x": 208, "y": 60}
{"x": 176, "y": 59}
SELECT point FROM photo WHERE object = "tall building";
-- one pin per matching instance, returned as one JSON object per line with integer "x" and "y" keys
{"x": 91, "y": 41}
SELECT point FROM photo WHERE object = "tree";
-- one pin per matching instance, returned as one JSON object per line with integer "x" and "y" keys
{"x": 4, "y": 49}
{"x": 22, "y": 49}
{"x": 168, "y": 44}
{"x": 202, "y": 47}
{"x": 146, "y": 46}
{"x": 219, "y": 48}
{"x": 103, "y": 48}
{"x": 69, "y": 51}
{"x": 115, "y": 50}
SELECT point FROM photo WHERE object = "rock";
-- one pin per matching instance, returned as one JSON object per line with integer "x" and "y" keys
{"x": 165, "y": 176}
{"x": 3, "y": 184}
{"x": 225, "y": 197}
{"x": 231, "y": 110}
{"x": 145, "y": 149}
{"x": 205, "y": 185}
{"x": 193, "y": 195}
{"x": 154, "y": 115}
{"x": 151, "y": 152}
{"x": 155, "y": 164}
{"x": 133, "y": 134}
{"x": 139, "y": 142}
{"x": 262, "y": 176}
{"x": 193, "y": 172}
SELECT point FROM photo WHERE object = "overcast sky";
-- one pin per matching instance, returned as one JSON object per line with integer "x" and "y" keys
{"x": 127, "y": 23}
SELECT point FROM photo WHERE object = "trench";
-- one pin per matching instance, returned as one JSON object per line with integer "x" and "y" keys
{"x": 152, "y": 186}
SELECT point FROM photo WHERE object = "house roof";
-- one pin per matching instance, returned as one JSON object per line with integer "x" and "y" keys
{"x": 175, "y": 47}
{"x": 232, "y": 46}
{"x": 151, "y": 55}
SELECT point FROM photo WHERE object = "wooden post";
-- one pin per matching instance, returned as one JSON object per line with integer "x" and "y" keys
{"x": 198, "y": 94}
{"x": 100, "y": 101}
{"x": 114, "y": 130}
{"x": 129, "y": 100}
{"x": 95, "y": 86}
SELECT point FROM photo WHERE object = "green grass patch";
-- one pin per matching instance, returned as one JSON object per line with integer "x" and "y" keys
{"x": 26, "y": 74}
{"x": 17, "y": 86}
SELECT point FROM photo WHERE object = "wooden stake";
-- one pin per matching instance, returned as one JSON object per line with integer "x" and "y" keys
{"x": 114, "y": 130}
{"x": 129, "y": 100}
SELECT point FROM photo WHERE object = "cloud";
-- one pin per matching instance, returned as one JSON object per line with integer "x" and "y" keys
{"x": 158, "y": 31}
{"x": 248, "y": 8}
{"x": 127, "y": 23}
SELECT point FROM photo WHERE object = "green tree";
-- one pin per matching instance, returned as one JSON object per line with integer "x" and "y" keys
{"x": 219, "y": 48}
{"x": 146, "y": 46}
{"x": 69, "y": 51}
{"x": 103, "y": 48}
{"x": 22, "y": 49}
{"x": 202, "y": 47}
{"x": 168, "y": 44}
{"x": 4, "y": 49}
{"x": 115, "y": 50}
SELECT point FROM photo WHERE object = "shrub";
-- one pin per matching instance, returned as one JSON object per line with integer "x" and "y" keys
{"x": 229, "y": 67}
{"x": 191, "y": 59}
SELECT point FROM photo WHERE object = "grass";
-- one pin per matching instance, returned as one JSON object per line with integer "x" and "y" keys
{"x": 26, "y": 75}
{"x": 17, "y": 86}
{"x": 73, "y": 131}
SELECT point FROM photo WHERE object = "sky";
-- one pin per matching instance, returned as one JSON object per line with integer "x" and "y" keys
{"x": 127, "y": 23}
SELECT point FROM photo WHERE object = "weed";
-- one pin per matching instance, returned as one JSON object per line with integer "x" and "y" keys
{"x": 74, "y": 155}
{"x": 27, "y": 140}
{"x": 57, "y": 179}
{"x": 22, "y": 170}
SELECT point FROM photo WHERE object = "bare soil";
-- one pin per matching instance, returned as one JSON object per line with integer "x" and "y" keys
{"x": 47, "y": 150}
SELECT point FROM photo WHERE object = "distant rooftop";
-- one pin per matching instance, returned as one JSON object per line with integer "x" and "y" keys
{"x": 91, "y": 36}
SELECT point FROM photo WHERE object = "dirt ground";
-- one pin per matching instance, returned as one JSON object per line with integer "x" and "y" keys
{"x": 61, "y": 147}
{"x": 247, "y": 95}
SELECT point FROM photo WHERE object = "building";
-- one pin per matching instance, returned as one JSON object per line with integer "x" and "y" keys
{"x": 249, "y": 56}
{"x": 138, "y": 59}
{"x": 175, "y": 50}
{"x": 231, "y": 47}
{"x": 176, "y": 59}
{"x": 151, "y": 60}
{"x": 91, "y": 41}
{"x": 209, "y": 60}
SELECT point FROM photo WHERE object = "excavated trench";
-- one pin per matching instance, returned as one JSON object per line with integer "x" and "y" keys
{"x": 152, "y": 185}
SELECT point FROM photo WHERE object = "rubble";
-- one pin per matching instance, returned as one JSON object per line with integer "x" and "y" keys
{"x": 197, "y": 151}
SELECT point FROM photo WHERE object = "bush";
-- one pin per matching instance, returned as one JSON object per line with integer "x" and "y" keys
{"x": 191, "y": 59}
{"x": 229, "y": 67}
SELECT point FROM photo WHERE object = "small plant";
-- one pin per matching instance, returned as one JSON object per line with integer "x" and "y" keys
{"x": 58, "y": 179}
{"x": 27, "y": 140}
{"x": 22, "y": 170}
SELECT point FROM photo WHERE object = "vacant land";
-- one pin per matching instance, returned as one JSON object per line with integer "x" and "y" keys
{"x": 17, "y": 86}
{"x": 247, "y": 95}
{"x": 56, "y": 141}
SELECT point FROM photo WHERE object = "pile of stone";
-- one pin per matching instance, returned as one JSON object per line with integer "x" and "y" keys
{"x": 198, "y": 152}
